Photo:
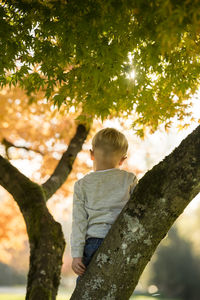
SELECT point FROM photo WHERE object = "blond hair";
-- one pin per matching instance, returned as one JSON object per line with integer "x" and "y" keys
{"x": 111, "y": 142}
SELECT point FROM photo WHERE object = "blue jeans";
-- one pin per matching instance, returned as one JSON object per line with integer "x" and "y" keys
{"x": 91, "y": 246}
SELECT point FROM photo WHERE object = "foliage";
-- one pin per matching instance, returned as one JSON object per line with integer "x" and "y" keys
{"x": 12, "y": 234}
{"x": 79, "y": 52}
{"x": 177, "y": 269}
{"x": 39, "y": 127}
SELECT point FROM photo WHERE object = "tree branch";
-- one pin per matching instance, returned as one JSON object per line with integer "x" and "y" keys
{"x": 64, "y": 166}
{"x": 8, "y": 145}
{"x": 16, "y": 183}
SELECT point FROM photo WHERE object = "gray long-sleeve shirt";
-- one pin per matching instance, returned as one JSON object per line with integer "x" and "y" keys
{"x": 97, "y": 201}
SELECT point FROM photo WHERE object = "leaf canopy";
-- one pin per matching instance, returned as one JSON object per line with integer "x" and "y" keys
{"x": 81, "y": 54}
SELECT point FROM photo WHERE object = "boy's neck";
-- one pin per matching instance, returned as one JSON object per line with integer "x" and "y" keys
{"x": 97, "y": 167}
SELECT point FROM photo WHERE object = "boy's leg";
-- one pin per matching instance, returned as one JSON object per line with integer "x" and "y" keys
{"x": 77, "y": 279}
{"x": 91, "y": 246}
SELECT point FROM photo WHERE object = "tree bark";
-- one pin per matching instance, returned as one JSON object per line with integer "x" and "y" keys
{"x": 157, "y": 201}
{"x": 45, "y": 234}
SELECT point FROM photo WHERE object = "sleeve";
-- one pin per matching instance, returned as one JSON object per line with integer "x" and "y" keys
{"x": 79, "y": 222}
{"x": 133, "y": 183}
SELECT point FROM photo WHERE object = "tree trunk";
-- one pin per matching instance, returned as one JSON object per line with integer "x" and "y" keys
{"x": 157, "y": 201}
{"x": 45, "y": 234}
{"x": 47, "y": 246}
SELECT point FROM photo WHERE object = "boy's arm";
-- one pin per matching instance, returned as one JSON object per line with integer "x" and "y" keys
{"x": 134, "y": 183}
{"x": 79, "y": 223}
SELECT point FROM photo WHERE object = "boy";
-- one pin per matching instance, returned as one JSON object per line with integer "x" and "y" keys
{"x": 99, "y": 196}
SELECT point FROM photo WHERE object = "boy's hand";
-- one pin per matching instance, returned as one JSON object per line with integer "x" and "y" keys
{"x": 77, "y": 266}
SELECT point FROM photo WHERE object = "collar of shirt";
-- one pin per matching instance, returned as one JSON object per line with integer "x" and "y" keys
{"x": 105, "y": 170}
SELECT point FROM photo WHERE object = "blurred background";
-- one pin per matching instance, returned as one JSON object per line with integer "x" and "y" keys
{"x": 33, "y": 138}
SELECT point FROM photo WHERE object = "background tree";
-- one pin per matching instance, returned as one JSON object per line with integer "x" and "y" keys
{"x": 13, "y": 232}
{"x": 9, "y": 276}
{"x": 192, "y": 230}
{"x": 177, "y": 269}
{"x": 47, "y": 46}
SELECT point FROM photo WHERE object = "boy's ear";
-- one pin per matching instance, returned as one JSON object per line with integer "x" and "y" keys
{"x": 91, "y": 154}
{"x": 122, "y": 160}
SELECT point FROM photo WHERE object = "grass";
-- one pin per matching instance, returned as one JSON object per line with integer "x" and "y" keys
{"x": 67, "y": 296}
{"x": 22, "y": 297}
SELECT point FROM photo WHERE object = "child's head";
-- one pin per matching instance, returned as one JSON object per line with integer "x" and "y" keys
{"x": 109, "y": 147}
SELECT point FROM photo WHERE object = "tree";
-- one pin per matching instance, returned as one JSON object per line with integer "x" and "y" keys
{"x": 88, "y": 69}
{"x": 78, "y": 53}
